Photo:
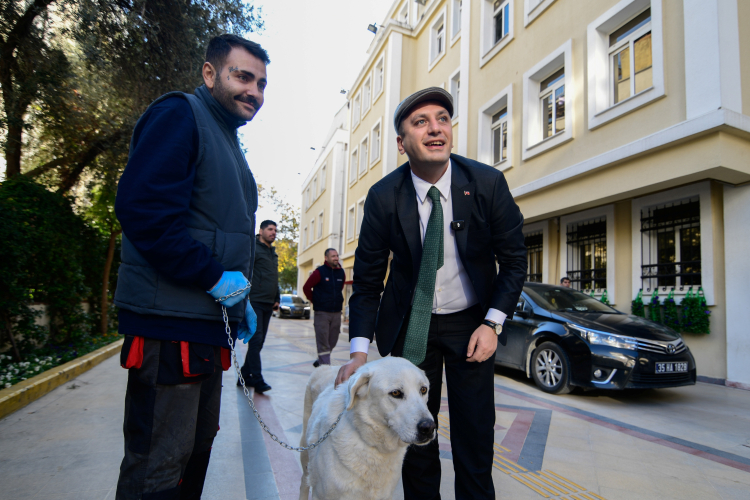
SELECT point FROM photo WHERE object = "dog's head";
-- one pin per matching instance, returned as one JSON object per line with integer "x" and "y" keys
{"x": 392, "y": 392}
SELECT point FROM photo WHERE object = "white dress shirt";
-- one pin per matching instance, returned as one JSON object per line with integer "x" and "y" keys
{"x": 453, "y": 289}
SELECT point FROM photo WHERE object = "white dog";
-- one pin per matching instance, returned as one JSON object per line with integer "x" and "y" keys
{"x": 386, "y": 411}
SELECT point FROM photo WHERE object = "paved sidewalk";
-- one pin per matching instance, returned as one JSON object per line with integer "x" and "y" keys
{"x": 686, "y": 443}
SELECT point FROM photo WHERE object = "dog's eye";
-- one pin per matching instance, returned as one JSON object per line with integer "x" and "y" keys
{"x": 397, "y": 394}
{"x": 423, "y": 390}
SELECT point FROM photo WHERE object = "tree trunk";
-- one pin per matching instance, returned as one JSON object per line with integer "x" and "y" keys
{"x": 9, "y": 331}
{"x": 105, "y": 280}
{"x": 13, "y": 151}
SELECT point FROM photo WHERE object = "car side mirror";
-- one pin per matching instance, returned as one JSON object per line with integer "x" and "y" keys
{"x": 521, "y": 311}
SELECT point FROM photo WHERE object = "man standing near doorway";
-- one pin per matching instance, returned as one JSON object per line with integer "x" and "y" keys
{"x": 448, "y": 222}
{"x": 187, "y": 203}
{"x": 324, "y": 289}
{"x": 264, "y": 298}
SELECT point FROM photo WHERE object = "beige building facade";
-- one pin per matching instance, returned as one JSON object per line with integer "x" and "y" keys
{"x": 323, "y": 200}
{"x": 622, "y": 127}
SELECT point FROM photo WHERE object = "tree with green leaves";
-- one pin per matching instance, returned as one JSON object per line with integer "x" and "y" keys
{"x": 287, "y": 236}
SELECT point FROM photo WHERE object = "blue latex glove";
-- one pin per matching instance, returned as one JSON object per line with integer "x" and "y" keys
{"x": 248, "y": 325}
{"x": 230, "y": 281}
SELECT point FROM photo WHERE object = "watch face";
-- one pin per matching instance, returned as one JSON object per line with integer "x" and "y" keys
{"x": 498, "y": 329}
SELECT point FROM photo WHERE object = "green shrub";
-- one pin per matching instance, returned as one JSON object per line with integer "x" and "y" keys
{"x": 49, "y": 255}
{"x": 636, "y": 307}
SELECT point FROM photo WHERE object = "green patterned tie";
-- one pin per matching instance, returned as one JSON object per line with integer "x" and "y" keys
{"x": 415, "y": 344}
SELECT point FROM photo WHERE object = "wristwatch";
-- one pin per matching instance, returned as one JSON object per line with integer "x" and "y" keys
{"x": 496, "y": 327}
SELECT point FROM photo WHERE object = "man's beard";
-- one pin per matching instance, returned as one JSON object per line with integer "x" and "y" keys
{"x": 229, "y": 101}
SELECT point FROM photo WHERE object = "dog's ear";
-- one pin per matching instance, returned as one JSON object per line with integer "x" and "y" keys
{"x": 359, "y": 384}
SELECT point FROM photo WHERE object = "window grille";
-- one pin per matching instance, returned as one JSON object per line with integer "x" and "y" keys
{"x": 587, "y": 254}
{"x": 535, "y": 249}
{"x": 671, "y": 245}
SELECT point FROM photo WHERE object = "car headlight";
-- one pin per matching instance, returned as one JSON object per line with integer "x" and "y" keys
{"x": 602, "y": 338}
{"x": 307, "y": 308}
{"x": 285, "y": 308}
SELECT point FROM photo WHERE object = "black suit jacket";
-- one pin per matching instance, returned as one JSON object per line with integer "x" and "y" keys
{"x": 493, "y": 230}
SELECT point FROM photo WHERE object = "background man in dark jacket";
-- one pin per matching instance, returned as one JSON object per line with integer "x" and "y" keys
{"x": 187, "y": 203}
{"x": 323, "y": 288}
{"x": 264, "y": 298}
{"x": 448, "y": 222}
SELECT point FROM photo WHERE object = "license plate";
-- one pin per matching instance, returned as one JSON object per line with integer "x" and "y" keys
{"x": 671, "y": 367}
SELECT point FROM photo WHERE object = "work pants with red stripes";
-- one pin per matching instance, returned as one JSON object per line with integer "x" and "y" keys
{"x": 171, "y": 420}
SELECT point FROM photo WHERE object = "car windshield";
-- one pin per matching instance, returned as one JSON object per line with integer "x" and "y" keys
{"x": 292, "y": 299}
{"x": 565, "y": 299}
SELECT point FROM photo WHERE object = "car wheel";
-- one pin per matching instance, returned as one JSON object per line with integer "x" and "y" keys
{"x": 550, "y": 368}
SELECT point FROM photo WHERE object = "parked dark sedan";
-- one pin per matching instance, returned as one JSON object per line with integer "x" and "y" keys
{"x": 293, "y": 306}
{"x": 563, "y": 338}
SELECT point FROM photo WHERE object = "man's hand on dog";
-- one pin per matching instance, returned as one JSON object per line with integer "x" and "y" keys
{"x": 482, "y": 344}
{"x": 357, "y": 359}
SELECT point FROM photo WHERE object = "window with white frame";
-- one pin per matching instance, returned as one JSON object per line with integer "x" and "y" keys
{"x": 630, "y": 58}
{"x": 323, "y": 178}
{"x": 496, "y": 28}
{"x": 353, "y": 167}
{"x": 356, "y": 110}
{"x": 307, "y": 198}
{"x": 456, "y": 17}
{"x": 552, "y": 97}
{"x": 500, "y": 20}
{"x": 360, "y": 214}
{"x": 378, "y": 78}
{"x": 455, "y": 90}
{"x": 304, "y": 238}
{"x": 548, "y": 92}
{"x": 312, "y": 230}
{"x": 315, "y": 187}
{"x": 535, "y": 256}
{"x": 350, "y": 221}
{"x": 403, "y": 16}
{"x": 671, "y": 245}
{"x": 625, "y": 60}
{"x": 375, "y": 147}
{"x": 499, "y": 135}
{"x": 320, "y": 225}
{"x": 437, "y": 40}
{"x": 533, "y": 9}
{"x": 494, "y": 140}
{"x": 366, "y": 96}
{"x": 587, "y": 254}
{"x": 363, "y": 156}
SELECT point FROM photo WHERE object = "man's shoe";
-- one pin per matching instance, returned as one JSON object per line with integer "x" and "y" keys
{"x": 262, "y": 387}
{"x": 316, "y": 363}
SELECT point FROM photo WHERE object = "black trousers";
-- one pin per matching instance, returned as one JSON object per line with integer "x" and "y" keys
{"x": 471, "y": 401}
{"x": 251, "y": 368}
{"x": 170, "y": 424}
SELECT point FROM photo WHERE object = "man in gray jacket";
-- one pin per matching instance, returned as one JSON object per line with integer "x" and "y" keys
{"x": 264, "y": 299}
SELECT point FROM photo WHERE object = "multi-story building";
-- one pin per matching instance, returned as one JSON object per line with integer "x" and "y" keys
{"x": 622, "y": 127}
{"x": 323, "y": 200}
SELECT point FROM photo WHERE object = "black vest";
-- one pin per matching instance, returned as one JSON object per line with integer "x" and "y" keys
{"x": 221, "y": 216}
{"x": 327, "y": 295}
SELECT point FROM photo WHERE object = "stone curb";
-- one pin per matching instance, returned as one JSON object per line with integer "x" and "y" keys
{"x": 21, "y": 394}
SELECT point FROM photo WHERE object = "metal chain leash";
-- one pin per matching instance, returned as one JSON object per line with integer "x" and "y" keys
{"x": 247, "y": 391}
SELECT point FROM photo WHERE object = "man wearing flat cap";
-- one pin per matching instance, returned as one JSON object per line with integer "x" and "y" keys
{"x": 449, "y": 223}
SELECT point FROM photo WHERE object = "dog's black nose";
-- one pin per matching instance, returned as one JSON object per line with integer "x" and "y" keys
{"x": 426, "y": 427}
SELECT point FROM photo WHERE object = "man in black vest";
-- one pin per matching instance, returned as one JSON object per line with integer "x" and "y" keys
{"x": 264, "y": 299}
{"x": 447, "y": 222}
{"x": 187, "y": 203}
{"x": 323, "y": 289}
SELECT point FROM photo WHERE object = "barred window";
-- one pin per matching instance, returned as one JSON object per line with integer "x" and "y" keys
{"x": 587, "y": 254}
{"x": 671, "y": 245}
{"x": 535, "y": 249}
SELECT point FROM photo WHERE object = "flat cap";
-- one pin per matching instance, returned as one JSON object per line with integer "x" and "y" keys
{"x": 428, "y": 94}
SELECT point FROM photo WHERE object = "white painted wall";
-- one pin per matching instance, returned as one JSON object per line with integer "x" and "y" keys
{"x": 737, "y": 271}
{"x": 712, "y": 56}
